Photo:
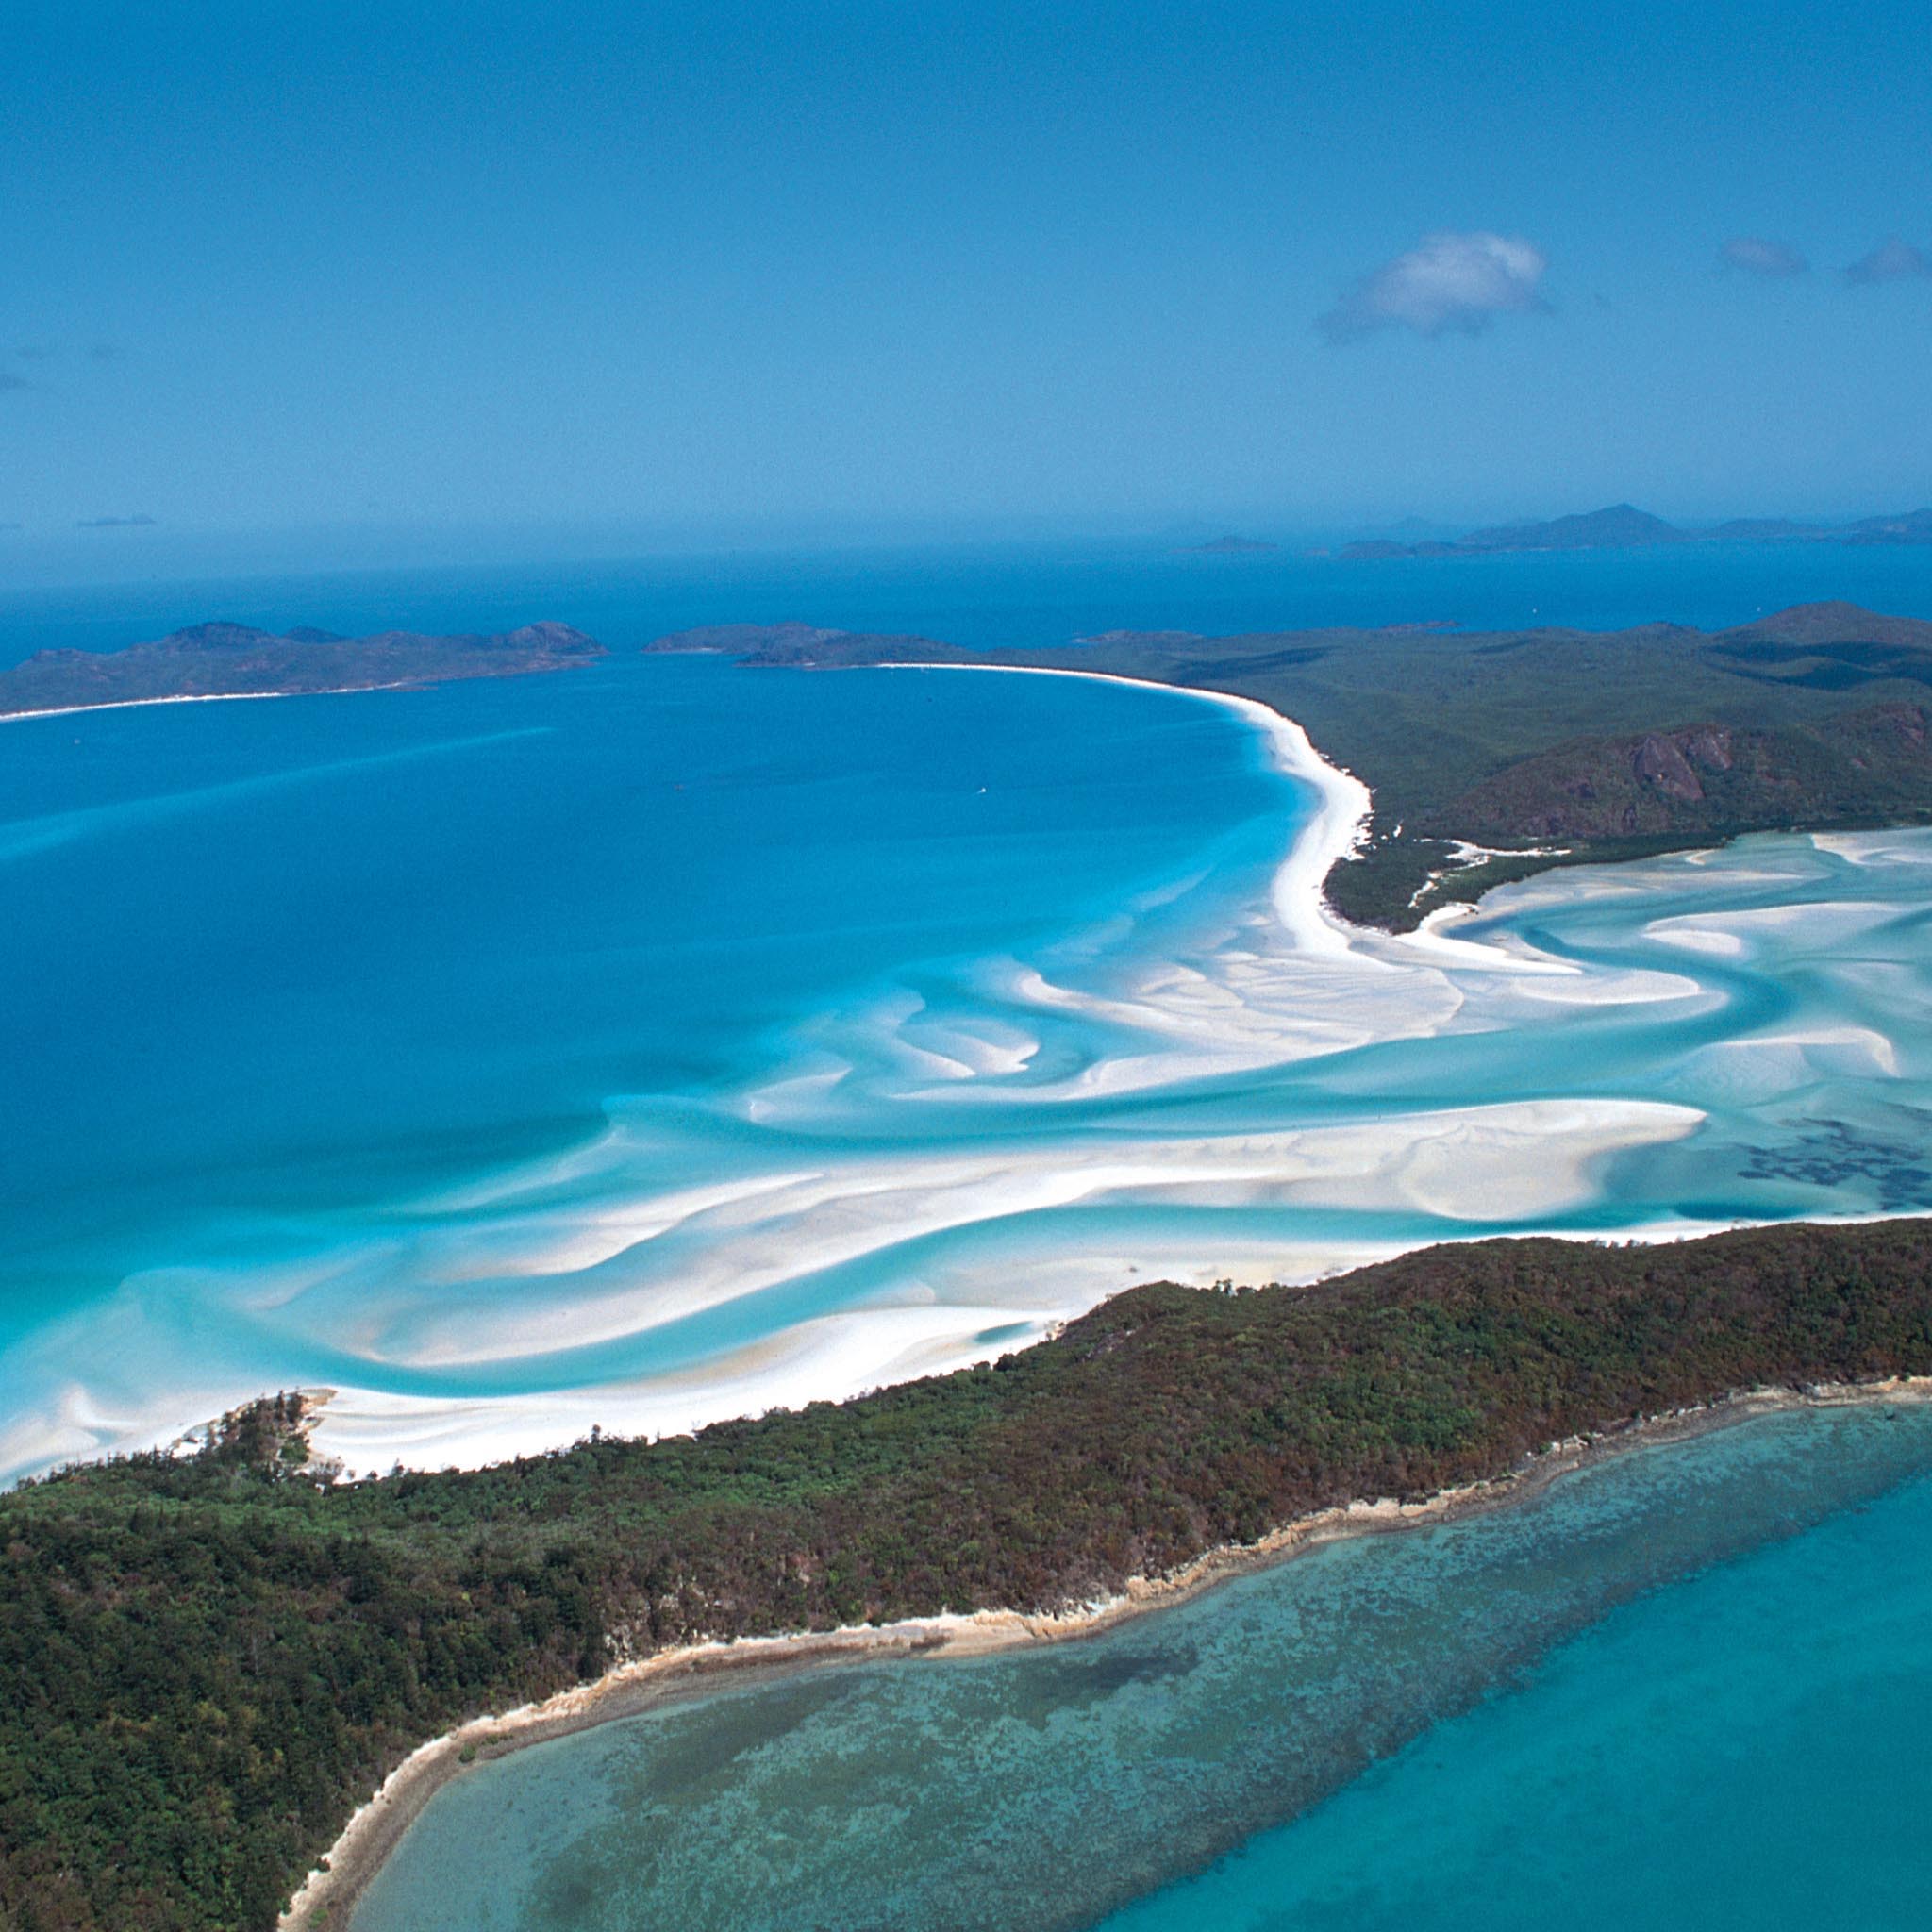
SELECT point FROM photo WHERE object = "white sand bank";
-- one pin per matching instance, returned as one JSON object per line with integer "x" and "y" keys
{"x": 943, "y": 1245}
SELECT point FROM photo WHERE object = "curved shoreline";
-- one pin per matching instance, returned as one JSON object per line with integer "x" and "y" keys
{"x": 843, "y": 1355}
{"x": 1336, "y": 830}
{"x": 390, "y": 1429}
{"x": 1315, "y": 933}
{"x": 202, "y": 697}
{"x": 329, "y": 1895}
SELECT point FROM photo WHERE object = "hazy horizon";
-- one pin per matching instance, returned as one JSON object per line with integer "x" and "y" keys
{"x": 161, "y": 553}
{"x": 394, "y": 282}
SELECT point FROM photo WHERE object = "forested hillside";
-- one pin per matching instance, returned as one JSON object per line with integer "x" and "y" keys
{"x": 205, "y": 1665}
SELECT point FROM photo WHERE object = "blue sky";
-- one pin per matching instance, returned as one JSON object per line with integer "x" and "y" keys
{"x": 868, "y": 267}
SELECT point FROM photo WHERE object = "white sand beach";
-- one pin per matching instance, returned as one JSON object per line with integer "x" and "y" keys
{"x": 514, "y": 1314}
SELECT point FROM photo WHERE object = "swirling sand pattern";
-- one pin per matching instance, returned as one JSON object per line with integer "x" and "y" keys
{"x": 1213, "y": 1081}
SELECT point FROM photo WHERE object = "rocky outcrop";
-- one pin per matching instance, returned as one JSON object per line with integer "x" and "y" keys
{"x": 1867, "y": 766}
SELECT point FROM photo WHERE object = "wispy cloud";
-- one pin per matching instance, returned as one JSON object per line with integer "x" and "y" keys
{"x": 1448, "y": 283}
{"x": 1757, "y": 255}
{"x": 135, "y": 522}
{"x": 1892, "y": 260}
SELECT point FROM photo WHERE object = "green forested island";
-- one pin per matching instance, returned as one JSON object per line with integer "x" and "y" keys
{"x": 1565, "y": 745}
{"x": 207, "y": 1664}
{"x": 225, "y": 661}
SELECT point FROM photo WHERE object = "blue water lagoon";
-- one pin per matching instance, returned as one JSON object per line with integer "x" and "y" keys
{"x": 1683, "y": 1685}
{"x": 664, "y": 1041}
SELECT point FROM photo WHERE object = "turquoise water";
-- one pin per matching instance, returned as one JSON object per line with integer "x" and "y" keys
{"x": 663, "y": 1040}
{"x": 277, "y": 971}
{"x": 1747, "y": 1749}
{"x": 1688, "y": 1686}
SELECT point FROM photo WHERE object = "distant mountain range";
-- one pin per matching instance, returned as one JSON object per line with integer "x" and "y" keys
{"x": 232, "y": 661}
{"x": 1622, "y": 526}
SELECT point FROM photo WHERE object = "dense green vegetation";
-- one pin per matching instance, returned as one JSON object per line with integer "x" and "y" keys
{"x": 205, "y": 1665}
{"x": 1546, "y": 737}
{"x": 1813, "y": 719}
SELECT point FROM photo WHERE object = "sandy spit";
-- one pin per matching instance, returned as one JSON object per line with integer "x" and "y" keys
{"x": 197, "y": 697}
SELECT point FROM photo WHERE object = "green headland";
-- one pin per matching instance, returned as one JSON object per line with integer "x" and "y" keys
{"x": 208, "y": 1664}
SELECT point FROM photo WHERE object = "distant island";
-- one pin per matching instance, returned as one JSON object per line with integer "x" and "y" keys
{"x": 792, "y": 643}
{"x": 811, "y": 647}
{"x": 234, "y": 661}
{"x": 1622, "y": 526}
{"x": 1229, "y": 546}
{"x": 1495, "y": 755}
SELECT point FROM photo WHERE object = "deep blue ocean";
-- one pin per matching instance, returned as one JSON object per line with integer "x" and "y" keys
{"x": 665, "y": 1039}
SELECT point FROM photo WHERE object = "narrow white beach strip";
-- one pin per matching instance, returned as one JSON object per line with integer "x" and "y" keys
{"x": 1336, "y": 828}
{"x": 203, "y": 697}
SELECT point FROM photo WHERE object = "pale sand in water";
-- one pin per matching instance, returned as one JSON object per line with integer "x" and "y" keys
{"x": 200, "y": 697}
{"x": 1324, "y": 987}
{"x": 328, "y": 1896}
{"x": 840, "y": 1356}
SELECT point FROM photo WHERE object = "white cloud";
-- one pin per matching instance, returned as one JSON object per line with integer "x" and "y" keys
{"x": 1447, "y": 282}
{"x": 1757, "y": 255}
{"x": 1892, "y": 260}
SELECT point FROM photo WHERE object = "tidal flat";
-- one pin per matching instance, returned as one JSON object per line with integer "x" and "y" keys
{"x": 629, "y": 1062}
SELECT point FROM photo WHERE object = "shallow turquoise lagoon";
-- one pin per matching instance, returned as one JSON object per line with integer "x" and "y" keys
{"x": 1688, "y": 1686}
{"x": 289, "y": 988}
{"x": 665, "y": 1041}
